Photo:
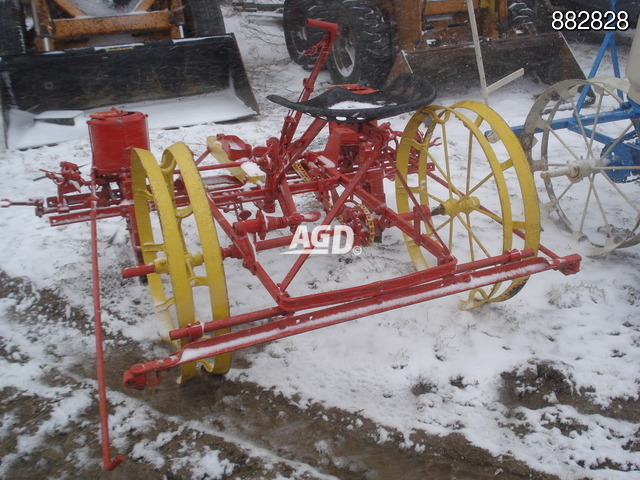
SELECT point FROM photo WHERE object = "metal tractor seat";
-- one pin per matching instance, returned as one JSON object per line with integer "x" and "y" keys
{"x": 343, "y": 104}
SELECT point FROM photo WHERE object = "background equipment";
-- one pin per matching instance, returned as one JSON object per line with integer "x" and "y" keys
{"x": 59, "y": 58}
{"x": 380, "y": 39}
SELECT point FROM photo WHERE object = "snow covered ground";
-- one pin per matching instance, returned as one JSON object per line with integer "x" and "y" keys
{"x": 549, "y": 378}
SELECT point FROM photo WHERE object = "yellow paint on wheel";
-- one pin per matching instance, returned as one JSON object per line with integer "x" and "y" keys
{"x": 159, "y": 223}
{"x": 447, "y": 162}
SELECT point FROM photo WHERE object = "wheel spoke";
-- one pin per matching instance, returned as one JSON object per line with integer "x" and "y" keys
{"x": 481, "y": 183}
{"x": 564, "y": 144}
{"x": 634, "y": 205}
{"x": 491, "y": 215}
{"x": 473, "y": 239}
{"x": 585, "y": 208}
{"x": 153, "y": 247}
{"x": 144, "y": 193}
{"x": 469, "y": 164}
{"x": 184, "y": 212}
{"x": 166, "y": 304}
{"x": 447, "y": 222}
{"x": 615, "y": 143}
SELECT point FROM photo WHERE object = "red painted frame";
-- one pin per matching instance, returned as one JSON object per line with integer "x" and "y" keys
{"x": 354, "y": 163}
{"x": 356, "y": 159}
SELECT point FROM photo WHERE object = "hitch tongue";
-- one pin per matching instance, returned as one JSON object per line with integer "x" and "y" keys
{"x": 32, "y": 202}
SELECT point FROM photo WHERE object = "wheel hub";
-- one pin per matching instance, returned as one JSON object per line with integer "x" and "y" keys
{"x": 574, "y": 171}
{"x": 455, "y": 206}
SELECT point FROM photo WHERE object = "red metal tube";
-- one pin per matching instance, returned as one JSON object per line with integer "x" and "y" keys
{"x": 107, "y": 462}
{"x": 199, "y": 329}
{"x": 138, "y": 270}
{"x": 147, "y": 374}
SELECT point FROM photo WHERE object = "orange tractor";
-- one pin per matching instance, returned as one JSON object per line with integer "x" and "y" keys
{"x": 380, "y": 39}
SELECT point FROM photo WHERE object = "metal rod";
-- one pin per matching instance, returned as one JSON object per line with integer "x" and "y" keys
{"x": 478, "y": 50}
{"x": 146, "y": 374}
{"x": 107, "y": 462}
{"x": 331, "y": 214}
{"x": 486, "y": 90}
{"x": 198, "y": 329}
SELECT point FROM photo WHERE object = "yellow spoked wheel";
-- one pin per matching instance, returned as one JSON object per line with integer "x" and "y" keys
{"x": 187, "y": 263}
{"x": 478, "y": 187}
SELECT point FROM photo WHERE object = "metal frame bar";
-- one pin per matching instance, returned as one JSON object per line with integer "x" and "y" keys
{"x": 468, "y": 277}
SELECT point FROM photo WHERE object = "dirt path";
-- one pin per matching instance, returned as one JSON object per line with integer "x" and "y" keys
{"x": 237, "y": 428}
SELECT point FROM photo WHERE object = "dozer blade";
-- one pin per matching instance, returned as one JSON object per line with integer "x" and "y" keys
{"x": 453, "y": 68}
{"x": 47, "y": 97}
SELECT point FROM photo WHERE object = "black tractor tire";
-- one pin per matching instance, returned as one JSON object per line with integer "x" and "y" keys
{"x": 297, "y": 36}
{"x": 363, "y": 53}
{"x": 203, "y": 18}
{"x": 12, "y": 31}
{"x": 523, "y": 17}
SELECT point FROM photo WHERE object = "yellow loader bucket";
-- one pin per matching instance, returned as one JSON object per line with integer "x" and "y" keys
{"x": 452, "y": 68}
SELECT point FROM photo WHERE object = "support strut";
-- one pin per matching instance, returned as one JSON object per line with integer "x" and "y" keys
{"x": 513, "y": 265}
{"x": 107, "y": 462}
